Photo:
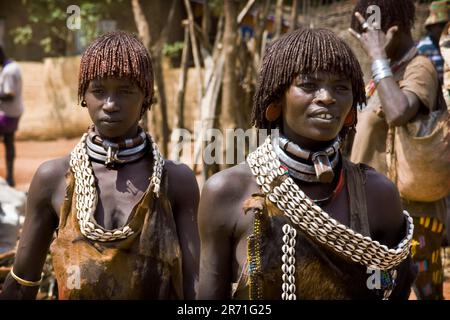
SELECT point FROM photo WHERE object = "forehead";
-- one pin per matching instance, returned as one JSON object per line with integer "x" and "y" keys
{"x": 323, "y": 75}
{"x": 113, "y": 81}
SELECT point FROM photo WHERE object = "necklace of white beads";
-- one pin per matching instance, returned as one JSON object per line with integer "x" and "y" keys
{"x": 316, "y": 223}
{"x": 86, "y": 192}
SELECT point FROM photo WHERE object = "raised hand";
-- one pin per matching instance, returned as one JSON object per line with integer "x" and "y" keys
{"x": 373, "y": 39}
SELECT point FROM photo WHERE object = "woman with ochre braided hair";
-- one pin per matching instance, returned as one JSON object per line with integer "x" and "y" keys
{"x": 297, "y": 220}
{"x": 125, "y": 218}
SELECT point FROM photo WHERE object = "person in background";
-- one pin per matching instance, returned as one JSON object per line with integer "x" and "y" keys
{"x": 11, "y": 109}
{"x": 435, "y": 23}
{"x": 404, "y": 85}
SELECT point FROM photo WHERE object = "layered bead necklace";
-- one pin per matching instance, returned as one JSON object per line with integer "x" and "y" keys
{"x": 317, "y": 224}
{"x": 85, "y": 188}
{"x": 316, "y": 166}
{"x": 321, "y": 169}
{"x": 116, "y": 153}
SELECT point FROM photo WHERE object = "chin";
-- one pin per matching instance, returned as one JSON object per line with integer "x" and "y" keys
{"x": 323, "y": 137}
{"x": 110, "y": 133}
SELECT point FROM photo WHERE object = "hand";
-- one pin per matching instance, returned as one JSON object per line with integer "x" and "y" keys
{"x": 373, "y": 39}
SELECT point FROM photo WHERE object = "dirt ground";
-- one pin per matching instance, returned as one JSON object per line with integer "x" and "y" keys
{"x": 30, "y": 154}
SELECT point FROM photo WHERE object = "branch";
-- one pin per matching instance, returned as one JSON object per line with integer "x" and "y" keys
{"x": 165, "y": 32}
{"x": 141, "y": 23}
{"x": 244, "y": 11}
{"x": 194, "y": 44}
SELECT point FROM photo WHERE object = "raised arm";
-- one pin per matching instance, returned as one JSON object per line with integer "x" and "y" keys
{"x": 400, "y": 102}
{"x": 40, "y": 224}
{"x": 184, "y": 196}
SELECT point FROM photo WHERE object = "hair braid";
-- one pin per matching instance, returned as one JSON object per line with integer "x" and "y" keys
{"x": 118, "y": 54}
{"x": 303, "y": 51}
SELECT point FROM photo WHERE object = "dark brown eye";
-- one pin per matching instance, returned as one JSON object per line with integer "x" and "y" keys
{"x": 342, "y": 88}
{"x": 308, "y": 86}
{"x": 97, "y": 90}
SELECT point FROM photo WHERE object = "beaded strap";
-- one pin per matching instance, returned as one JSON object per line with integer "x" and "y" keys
{"x": 288, "y": 263}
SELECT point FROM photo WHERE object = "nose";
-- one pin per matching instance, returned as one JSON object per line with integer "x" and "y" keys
{"x": 110, "y": 105}
{"x": 325, "y": 97}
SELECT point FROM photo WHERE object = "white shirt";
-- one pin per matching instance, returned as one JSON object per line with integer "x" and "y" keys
{"x": 11, "y": 83}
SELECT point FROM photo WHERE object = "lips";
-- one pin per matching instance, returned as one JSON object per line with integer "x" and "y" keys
{"x": 323, "y": 114}
{"x": 109, "y": 120}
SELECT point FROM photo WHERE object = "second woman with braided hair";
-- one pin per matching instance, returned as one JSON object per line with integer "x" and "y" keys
{"x": 297, "y": 220}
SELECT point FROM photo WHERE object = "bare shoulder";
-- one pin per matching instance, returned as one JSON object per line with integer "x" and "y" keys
{"x": 229, "y": 184}
{"x": 384, "y": 207}
{"x": 222, "y": 199}
{"x": 49, "y": 177}
{"x": 181, "y": 177}
{"x": 177, "y": 169}
{"x": 53, "y": 170}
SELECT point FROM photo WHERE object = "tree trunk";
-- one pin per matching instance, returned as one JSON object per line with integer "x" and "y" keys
{"x": 229, "y": 108}
{"x": 260, "y": 25}
{"x": 179, "y": 107}
{"x": 206, "y": 21}
{"x": 179, "y": 103}
{"x": 155, "y": 48}
{"x": 195, "y": 50}
{"x": 278, "y": 19}
{"x": 294, "y": 14}
{"x": 144, "y": 34}
{"x": 162, "y": 102}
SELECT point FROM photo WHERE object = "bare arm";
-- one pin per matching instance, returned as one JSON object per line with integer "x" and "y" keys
{"x": 399, "y": 106}
{"x": 9, "y": 93}
{"x": 40, "y": 224}
{"x": 184, "y": 198}
{"x": 388, "y": 226}
{"x": 215, "y": 220}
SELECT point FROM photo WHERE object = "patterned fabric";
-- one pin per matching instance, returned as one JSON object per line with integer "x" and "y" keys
{"x": 427, "y": 48}
{"x": 426, "y": 254}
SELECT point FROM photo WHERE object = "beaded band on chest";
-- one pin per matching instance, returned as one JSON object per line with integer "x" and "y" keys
{"x": 315, "y": 222}
{"x": 87, "y": 197}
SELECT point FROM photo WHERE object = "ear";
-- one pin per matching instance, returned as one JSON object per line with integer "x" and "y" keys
{"x": 273, "y": 112}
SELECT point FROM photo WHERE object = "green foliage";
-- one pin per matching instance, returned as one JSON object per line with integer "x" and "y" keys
{"x": 22, "y": 35}
{"x": 50, "y": 17}
{"x": 172, "y": 49}
{"x": 216, "y": 7}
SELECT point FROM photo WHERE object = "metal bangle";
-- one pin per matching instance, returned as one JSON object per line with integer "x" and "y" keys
{"x": 380, "y": 64}
{"x": 24, "y": 282}
{"x": 382, "y": 74}
{"x": 381, "y": 69}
